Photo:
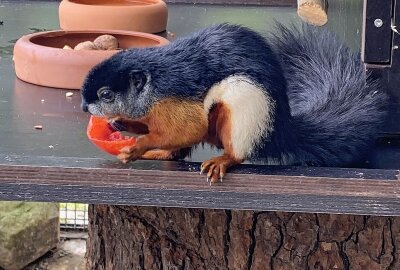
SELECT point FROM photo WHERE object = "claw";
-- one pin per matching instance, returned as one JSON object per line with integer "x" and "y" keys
{"x": 216, "y": 168}
{"x": 221, "y": 175}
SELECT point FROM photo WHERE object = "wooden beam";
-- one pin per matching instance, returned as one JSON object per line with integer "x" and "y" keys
{"x": 166, "y": 188}
{"x": 313, "y": 11}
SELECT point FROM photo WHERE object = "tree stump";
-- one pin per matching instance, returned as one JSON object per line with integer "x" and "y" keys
{"x": 313, "y": 11}
{"x": 129, "y": 237}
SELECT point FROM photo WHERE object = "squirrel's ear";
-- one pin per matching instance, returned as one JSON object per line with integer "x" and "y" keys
{"x": 138, "y": 79}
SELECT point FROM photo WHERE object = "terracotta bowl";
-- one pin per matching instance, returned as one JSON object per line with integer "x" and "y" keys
{"x": 40, "y": 59}
{"x": 149, "y": 16}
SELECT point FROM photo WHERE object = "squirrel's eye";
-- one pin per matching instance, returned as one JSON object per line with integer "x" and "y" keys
{"x": 105, "y": 94}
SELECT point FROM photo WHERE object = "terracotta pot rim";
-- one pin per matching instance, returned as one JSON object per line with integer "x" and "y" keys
{"x": 28, "y": 38}
{"x": 145, "y": 3}
{"x": 149, "y": 17}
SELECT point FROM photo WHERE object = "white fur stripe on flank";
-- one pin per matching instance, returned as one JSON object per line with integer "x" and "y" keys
{"x": 252, "y": 112}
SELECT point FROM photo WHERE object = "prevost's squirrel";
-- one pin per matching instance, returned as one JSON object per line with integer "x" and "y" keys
{"x": 297, "y": 96}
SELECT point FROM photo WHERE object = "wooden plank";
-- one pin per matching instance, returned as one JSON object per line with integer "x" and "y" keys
{"x": 236, "y": 2}
{"x": 190, "y": 190}
{"x": 184, "y": 166}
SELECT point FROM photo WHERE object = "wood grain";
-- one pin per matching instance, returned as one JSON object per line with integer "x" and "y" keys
{"x": 189, "y": 189}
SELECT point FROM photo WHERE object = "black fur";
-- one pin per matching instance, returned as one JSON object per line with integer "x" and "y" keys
{"x": 333, "y": 114}
{"x": 337, "y": 106}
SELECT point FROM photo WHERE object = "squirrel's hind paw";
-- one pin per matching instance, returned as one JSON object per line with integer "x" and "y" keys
{"x": 216, "y": 167}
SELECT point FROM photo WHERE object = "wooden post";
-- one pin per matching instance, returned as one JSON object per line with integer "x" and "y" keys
{"x": 128, "y": 237}
{"x": 313, "y": 11}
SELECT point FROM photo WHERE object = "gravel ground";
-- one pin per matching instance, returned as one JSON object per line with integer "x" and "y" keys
{"x": 69, "y": 255}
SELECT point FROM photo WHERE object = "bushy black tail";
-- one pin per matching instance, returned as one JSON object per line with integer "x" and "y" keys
{"x": 337, "y": 106}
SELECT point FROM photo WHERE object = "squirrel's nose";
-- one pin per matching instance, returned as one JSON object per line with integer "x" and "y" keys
{"x": 84, "y": 106}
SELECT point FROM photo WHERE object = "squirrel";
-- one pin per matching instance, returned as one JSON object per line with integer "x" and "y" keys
{"x": 295, "y": 96}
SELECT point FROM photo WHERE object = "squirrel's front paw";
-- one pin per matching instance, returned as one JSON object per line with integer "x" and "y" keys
{"x": 130, "y": 153}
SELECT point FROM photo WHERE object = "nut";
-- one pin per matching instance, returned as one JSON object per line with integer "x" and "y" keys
{"x": 86, "y": 45}
{"x": 106, "y": 42}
